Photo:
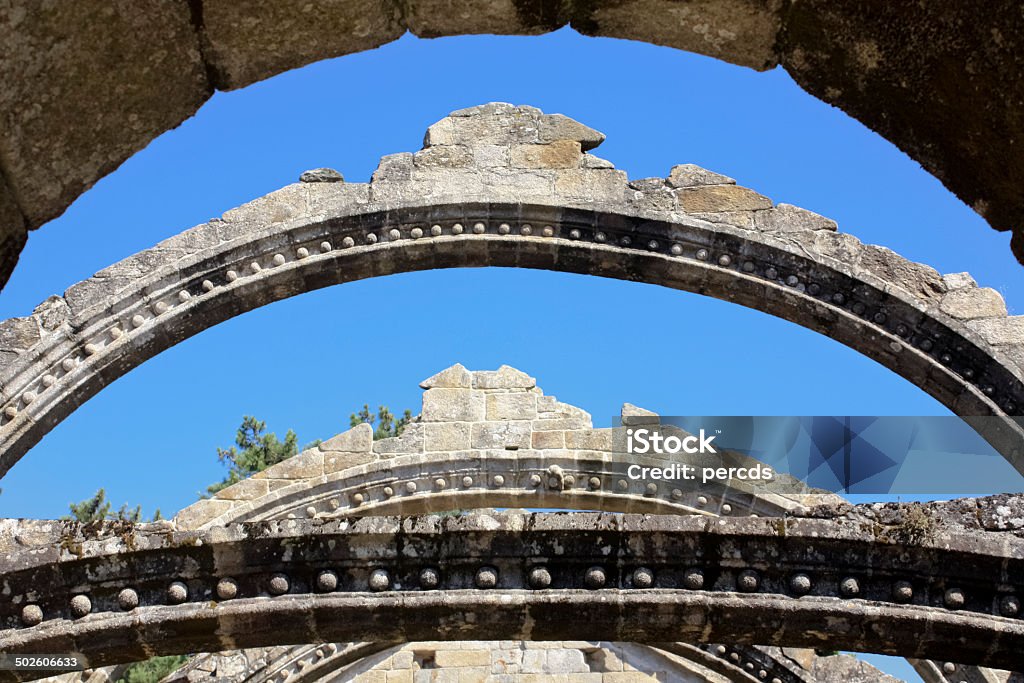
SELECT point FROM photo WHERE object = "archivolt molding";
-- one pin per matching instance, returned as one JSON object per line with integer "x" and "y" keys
{"x": 509, "y": 186}
{"x": 487, "y": 419}
{"x": 118, "y": 592}
{"x": 408, "y": 475}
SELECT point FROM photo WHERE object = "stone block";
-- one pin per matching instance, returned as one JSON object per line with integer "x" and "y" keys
{"x": 496, "y": 123}
{"x": 534, "y": 661}
{"x": 336, "y": 461}
{"x": 399, "y": 676}
{"x": 1000, "y": 331}
{"x": 459, "y": 658}
{"x": 455, "y": 377}
{"x": 505, "y": 377}
{"x": 291, "y": 201}
{"x": 718, "y": 198}
{"x": 738, "y": 31}
{"x": 244, "y": 46}
{"x": 632, "y": 676}
{"x": 409, "y": 441}
{"x": 52, "y": 313}
{"x": 605, "y": 186}
{"x": 506, "y": 660}
{"x": 959, "y": 280}
{"x": 520, "y": 405}
{"x": 920, "y": 280}
{"x": 393, "y": 168}
{"x": 403, "y": 659}
{"x": 72, "y": 73}
{"x": 302, "y": 466}
{"x": 434, "y": 18}
{"x": 972, "y": 303}
{"x": 88, "y": 293}
{"x": 591, "y": 161}
{"x": 547, "y": 404}
{"x": 453, "y": 405}
{"x": 632, "y": 414}
{"x": 543, "y": 440}
{"x": 447, "y": 156}
{"x": 446, "y": 436}
{"x": 789, "y": 218}
{"x": 606, "y": 659}
{"x": 198, "y": 514}
{"x": 359, "y": 439}
{"x": 491, "y": 157}
{"x": 19, "y": 334}
{"x": 557, "y": 154}
{"x": 554, "y": 127}
{"x": 498, "y": 435}
{"x": 691, "y": 175}
{"x": 590, "y": 440}
{"x": 247, "y": 489}
{"x": 566, "y": 661}
{"x": 555, "y": 423}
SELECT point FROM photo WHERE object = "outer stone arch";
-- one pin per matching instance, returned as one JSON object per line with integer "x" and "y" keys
{"x": 510, "y": 186}
{"x": 127, "y": 71}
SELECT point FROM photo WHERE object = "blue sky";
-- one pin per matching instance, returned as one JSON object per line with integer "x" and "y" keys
{"x": 306, "y": 363}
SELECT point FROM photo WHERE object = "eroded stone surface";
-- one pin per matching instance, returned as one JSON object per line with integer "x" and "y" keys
{"x": 466, "y": 200}
{"x": 88, "y": 84}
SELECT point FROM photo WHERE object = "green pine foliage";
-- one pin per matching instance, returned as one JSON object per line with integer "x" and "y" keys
{"x": 151, "y": 670}
{"x": 387, "y": 425}
{"x": 98, "y": 508}
{"x": 254, "y": 451}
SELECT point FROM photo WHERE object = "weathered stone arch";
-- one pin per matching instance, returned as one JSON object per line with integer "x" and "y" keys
{"x": 509, "y": 186}
{"x": 321, "y": 482}
{"x": 120, "y": 593}
{"x": 59, "y": 571}
{"x": 939, "y": 79}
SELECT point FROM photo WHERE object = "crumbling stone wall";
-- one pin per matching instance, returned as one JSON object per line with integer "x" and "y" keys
{"x": 485, "y": 438}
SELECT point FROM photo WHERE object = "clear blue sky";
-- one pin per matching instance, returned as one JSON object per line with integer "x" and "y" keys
{"x": 306, "y": 363}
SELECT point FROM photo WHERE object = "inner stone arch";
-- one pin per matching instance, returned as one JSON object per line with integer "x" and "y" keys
{"x": 238, "y": 562}
{"x": 511, "y": 186}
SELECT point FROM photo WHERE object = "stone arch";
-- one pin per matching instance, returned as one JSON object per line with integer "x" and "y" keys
{"x": 125, "y": 72}
{"x": 124, "y": 592}
{"x": 510, "y": 186}
{"x": 99, "y": 571}
{"x": 321, "y": 482}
